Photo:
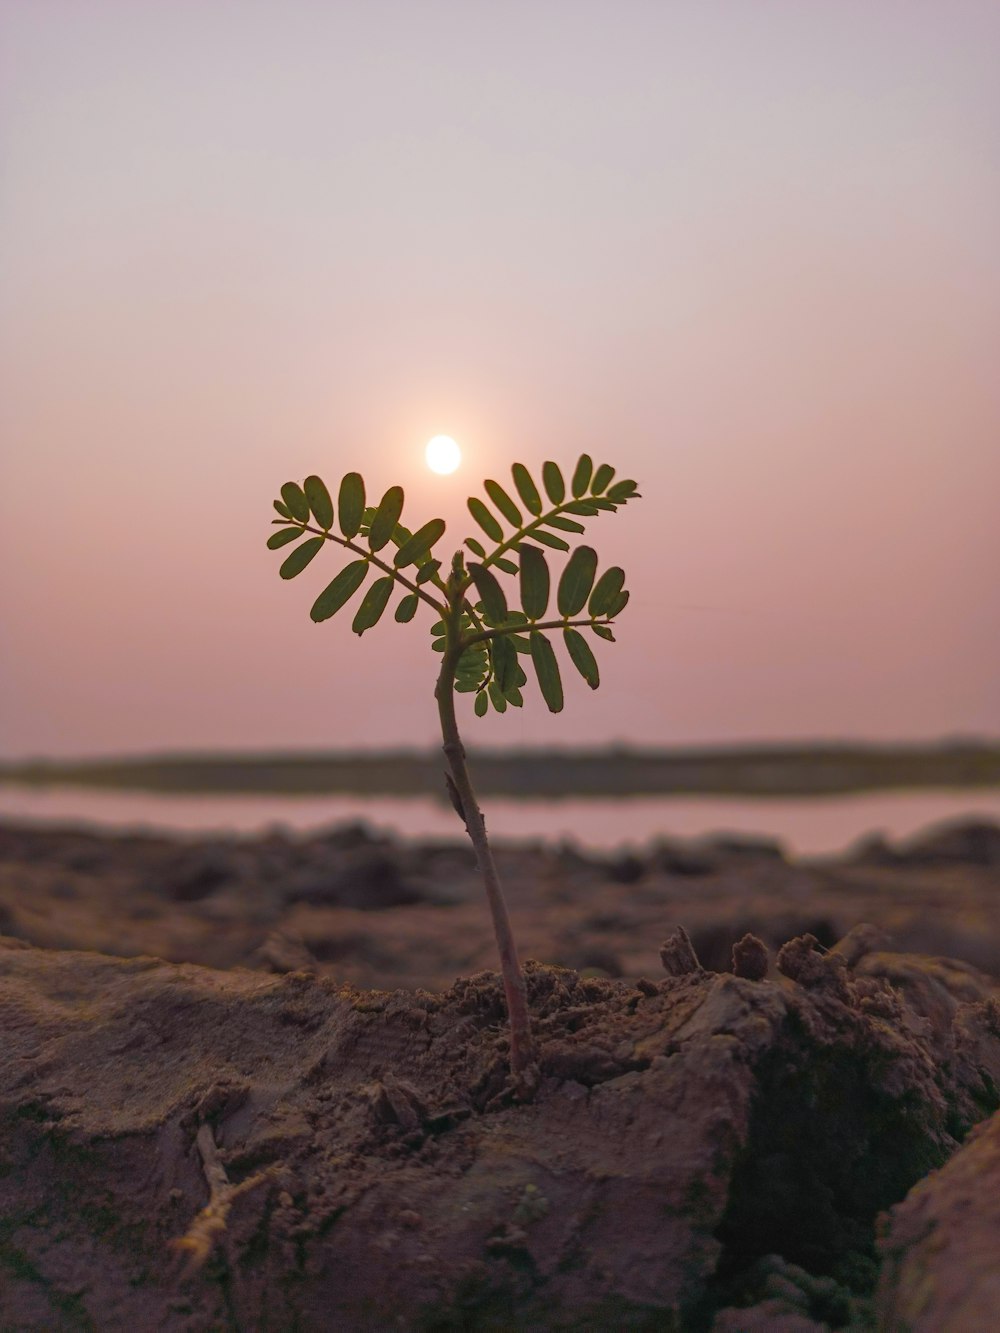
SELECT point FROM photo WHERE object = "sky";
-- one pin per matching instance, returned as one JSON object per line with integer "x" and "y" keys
{"x": 746, "y": 253}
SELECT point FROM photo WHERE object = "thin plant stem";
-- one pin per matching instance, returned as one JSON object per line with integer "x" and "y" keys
{"x": 522, "y": 1046}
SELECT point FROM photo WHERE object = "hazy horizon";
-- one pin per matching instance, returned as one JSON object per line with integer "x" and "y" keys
{"x": 745, "y": 254}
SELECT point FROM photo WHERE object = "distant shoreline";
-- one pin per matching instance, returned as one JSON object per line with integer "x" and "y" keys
{"x": 819, "y": 769}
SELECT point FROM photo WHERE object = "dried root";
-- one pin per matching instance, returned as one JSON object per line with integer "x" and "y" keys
{"x": 198, "y": 1242}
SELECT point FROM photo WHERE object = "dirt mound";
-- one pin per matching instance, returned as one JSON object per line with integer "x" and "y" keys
{"x": 941, "y": 1244}
{"x": 698, "y": 1143}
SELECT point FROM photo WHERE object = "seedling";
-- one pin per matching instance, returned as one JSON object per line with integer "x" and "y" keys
{"x": 479, "y": 633}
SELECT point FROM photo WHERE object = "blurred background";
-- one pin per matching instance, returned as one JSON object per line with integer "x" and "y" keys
{"x": 745, "y": 253}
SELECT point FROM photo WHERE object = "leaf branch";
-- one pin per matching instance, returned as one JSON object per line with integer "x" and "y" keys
{"x": 374, "y": 559}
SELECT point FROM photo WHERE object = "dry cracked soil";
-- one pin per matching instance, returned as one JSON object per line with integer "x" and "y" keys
{"x": 262, "y": 1084}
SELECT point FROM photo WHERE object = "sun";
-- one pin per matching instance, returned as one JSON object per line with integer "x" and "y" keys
{"x": 443, "y": 454}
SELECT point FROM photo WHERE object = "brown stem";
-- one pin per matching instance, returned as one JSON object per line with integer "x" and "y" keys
{"x": 522, "y": 1046}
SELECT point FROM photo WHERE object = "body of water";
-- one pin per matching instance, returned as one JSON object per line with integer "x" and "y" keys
{"x": 806, "y": 825}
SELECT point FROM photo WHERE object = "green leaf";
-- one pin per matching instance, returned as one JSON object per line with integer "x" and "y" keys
{"x": 507, "y": 566}
{"x": 343, "y": 587}
{"x": 602, "y": 479}
{"x": 486, "y": 520}
{"x": 294, "y": 497}
{"x": 504, "y": 663}
{"x": 582, "y": 657}
{"x": 373, "y": 603}
{"x": 420, "y": 543}
{"x": 526, "y": 488}
{"x": 482, "y": 704}
{"x": 622, "y": 491}
{"x": 386, "y": 517}
{"x": 588, "y": 508}
{"x": 319, "y": 501}
{"x": 283, "y": 537}
{"x": 555, "y": 486}
{"x": 503, "y": 502}
{"x": 603, "y": 632}
{"x": 282, "y": 509}
{"x": 564, "y": 524}
{"x": 549, "y": 539}
{"x": 351, "y": 503}
{"x": 439, "y": 645}
{"x": 602, "y": 502}
{"x": 300, "y": 557}
{"x": 534, "y": 581}
{"x": 547, "y": 670}
{"x": 407, "y": 608}
{"x": 619, "y": 604}
{"x": 497, "y": 698}
{"x": 582, "y": 475}
{"x": 428, "y": 570}
{"x": 494, "y": 601}
{"x": 577, "y": 581}
{"x": 606, "y": 591}
{"x": 515, "y": 698}
{"x": 477, "y": 548}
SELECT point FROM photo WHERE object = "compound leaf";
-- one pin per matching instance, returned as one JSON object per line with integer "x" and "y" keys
{"x": 427, "y": 570}
{"x": 485, "y": 519}
{"x": 582, "y": 475}
{"x": 577, "y": 581}
{"x": 504, "y": 663}
{"x": 547, "y": 670}
{"x": 582, "y": 657}
{"x": 351, "y": 503}
{"x": 373, "y": 603}
{"x": 564, "y": 524}
{"x": 494, "y": 601}
{"x": 606, "y": 591}
{"x": 319, "y": 501}
{"x": 295, "y": 499}
{"x": 343, "y": 587}
{"x": 386, "y": 517}
{"x": 526, "y": 488}
{"x": 549, "y": 539}
{"x": 503, "y": 502}
{"x": 300, "y": 557}
{"x": 420, "y": 543}
{"x": 534, "y": 582}
{"x": 407, "y": 608}
{"x": 552, "y": 479}
{"x": 602, "y": 479}
{"x": 283, "y": 537}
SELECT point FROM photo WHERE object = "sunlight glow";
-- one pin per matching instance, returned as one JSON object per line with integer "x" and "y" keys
{"x": 443, "y": 454}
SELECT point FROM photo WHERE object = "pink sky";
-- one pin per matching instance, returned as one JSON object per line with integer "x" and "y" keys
{"x": 747, "y": 253}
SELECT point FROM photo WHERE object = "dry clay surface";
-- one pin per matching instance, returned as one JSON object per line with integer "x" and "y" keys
{"x": 702, "y": 1151}
{"x": 356, "y": 906}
